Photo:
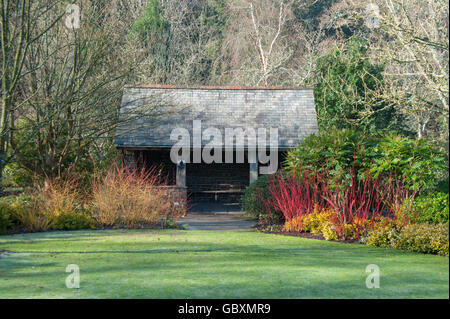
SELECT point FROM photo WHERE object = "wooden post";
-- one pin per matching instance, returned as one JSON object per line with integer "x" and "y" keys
{"x": 140, "y": 160}
{"x": 181, "y": 173}
{"x": 129, "y": 158}
{"x": 253, "y": 172}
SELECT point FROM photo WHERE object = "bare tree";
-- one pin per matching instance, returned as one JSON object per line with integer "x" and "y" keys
{"x": 416, "y": 55}
{"x": 410, "y": 38}
{"x": 71, "y": 91}
{"x": 255, "y": 40}
{"x": 265, "y": 53}
{"x": 183, "y": 48}
{"x": 19, "y": 30}
{"x": 266, "y": 44}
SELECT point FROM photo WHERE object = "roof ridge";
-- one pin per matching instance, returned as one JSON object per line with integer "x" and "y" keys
{"x": 207, "y": 87}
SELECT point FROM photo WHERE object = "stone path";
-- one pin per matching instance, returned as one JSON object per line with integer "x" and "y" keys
{"x": 217, "y": 216}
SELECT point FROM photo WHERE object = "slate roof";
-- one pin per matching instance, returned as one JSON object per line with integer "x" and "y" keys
{"x": 291, "y": 110}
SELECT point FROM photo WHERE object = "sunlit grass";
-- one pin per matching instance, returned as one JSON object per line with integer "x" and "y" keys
{"x": 210, "y": 264}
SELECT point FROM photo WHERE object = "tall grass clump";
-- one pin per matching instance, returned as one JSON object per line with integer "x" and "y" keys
{"x": 39, "y": 210}
{"x": 135, "y": 198}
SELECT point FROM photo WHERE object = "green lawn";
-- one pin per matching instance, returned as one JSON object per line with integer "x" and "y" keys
{"x": 210, "y": 264}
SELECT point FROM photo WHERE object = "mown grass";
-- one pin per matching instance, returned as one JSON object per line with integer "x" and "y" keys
{"x": 210, "y": 264}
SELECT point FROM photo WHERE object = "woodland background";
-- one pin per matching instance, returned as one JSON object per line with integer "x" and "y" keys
{"x": 376, "y": 67}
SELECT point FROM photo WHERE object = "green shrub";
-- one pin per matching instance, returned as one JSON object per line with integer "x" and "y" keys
{"x": 418, "y": 163}
{"x": 432, "y": 208}
{"x": 73, "y": 221}
{"x": 18, "y": 175}
{"x": 341, "y": 105}
{"x": 335, "y": 152}
{"x": 443, "y": 185}
{"x": 339, "y": 153}
{"x": 150, "y": 22}
{"x": 424, "y": 238}
{"x": 6, "y": 216}
{"x": 253, "y": 204}
{"x": 383, "y": 234}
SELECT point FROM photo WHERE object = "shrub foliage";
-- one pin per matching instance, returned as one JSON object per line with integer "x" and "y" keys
{"x": 418, "y": 164}
{"x": 133, "y": 199}
{"x": 254, "y": 198}
{"x": 424, "y": 238}
{"x": 119, "y": 198}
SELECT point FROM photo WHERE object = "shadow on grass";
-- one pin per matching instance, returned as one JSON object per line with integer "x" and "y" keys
{"x": 235, "y": 276}
{"x": 275, "y": 267}
{"x": 74, "y": 234}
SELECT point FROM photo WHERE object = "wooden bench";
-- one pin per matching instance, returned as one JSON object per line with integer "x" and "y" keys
{"x": 219, "y": 191}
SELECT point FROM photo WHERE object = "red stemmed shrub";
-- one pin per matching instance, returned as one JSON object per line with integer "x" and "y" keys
{"x": 361, "y": 203}
{"x": 295, "y": 197}
{"x": 356, "y": 205}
